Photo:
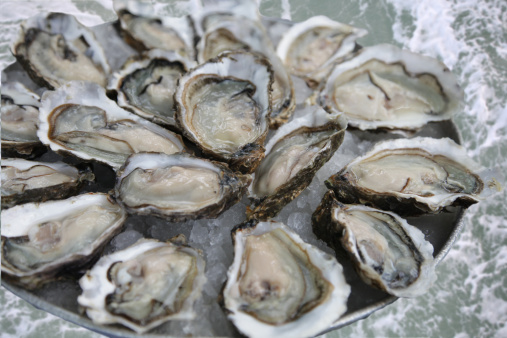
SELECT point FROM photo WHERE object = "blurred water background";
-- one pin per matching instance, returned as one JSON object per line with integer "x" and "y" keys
{"x": 469, "y": 298}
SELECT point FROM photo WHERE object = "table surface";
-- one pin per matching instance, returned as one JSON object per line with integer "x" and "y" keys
{"x": 469, "y": 298}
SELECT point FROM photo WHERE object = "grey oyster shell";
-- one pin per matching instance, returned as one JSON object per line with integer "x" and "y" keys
{"x": 39, "y": 240}
{"x": 178, "y": 187}
{"x": 31, "y": 181}
{"x": 280, "y": 286}
{"x": 413, "y": 177}
{"x": 388, "y": 253}
{"x": 55, "y": 48}
{"x": 223, "y": 107}
{"x": 144, "y": 285}
{"x": 146, "y": 85}
{"x": 294, "y": 154}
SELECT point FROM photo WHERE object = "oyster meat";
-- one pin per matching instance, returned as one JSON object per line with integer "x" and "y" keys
{"x": 280, "y": 286}
{"x": 413, "y": 177}
{"x": 178, "y": 187}
{"x": 144, "y": 285}
{"x": 30, "y": 181}
{"x": 39, "y": 240}
{"x": 55, "y": 48}
{"x": 293, "y": 155}
{"x": 223, "y": 106}
{"x": 386, "y": 87}
{"x": 78, "y": 118}
{"x": 388, "y": 253}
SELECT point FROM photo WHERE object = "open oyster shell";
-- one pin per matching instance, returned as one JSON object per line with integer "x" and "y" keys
{"x": 30, "y": 181}
{"x": 388, "y": 253}
{"x": 223, "y": 106}
{"x": 178, "y": 187}
{"x": 78, "y": 118}
{"x": 413, "y": 177}
{"x": 236, "y": 26}
{"x": 20, "y": 118}
{"x": 386, "y": 87}
{"x": 146, "y": 85}
{"x": 39, "y": 240}
{"x": 293, "y": 155}
{"x": 280, "y": 286}
{"x": 55, "y": 48}
{"x": 309, "y": 48}
{"x": 144, "y": 285}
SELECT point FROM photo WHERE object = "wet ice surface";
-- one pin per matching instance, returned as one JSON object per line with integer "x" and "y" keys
{"x": 469, "y": 297}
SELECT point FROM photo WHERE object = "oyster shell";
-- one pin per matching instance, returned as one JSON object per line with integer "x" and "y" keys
{"x": 178, "y": 187}
{"x": 236, "y": 26}
{"x": 293, "y": 155}
{"x": 413, "y": 177}
{"x": 78, "y": 118}
{"x": 223, "y": 106}
{"x": 144, "y": 285}
{"x": 30, "y": 181}
{"x": 388, "y": 253}
{"x": 55, "y": 48}
{"x": 39, "y": 240}
{"x": 144, "y": 29}
{"x": 146, "y": 85}
{"x": 20, "y": 117}
{"x": 386, "y": 87}
{"x": 309, "y": 48}
{"x": 280, "y": 286}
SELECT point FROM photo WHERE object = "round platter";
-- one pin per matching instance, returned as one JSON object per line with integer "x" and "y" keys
{"x": 60, "y": 298}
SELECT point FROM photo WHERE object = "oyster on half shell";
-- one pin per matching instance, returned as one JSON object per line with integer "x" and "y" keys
{"x": 223, "y": 106}
{"x": 388, "y": 253}
{"x": 280, "y": 286}
{"x": 39, "y": 240}
{"x": 178, "y": 187}
{"x": 144, "y": 285}
{"x": 413, "y": 177}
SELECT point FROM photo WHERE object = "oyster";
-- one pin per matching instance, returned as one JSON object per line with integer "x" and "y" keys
{"x": 280, "y": 286}
{"x": 29, "y": 181}
{"x": 144, "y": 29}
{"x": 20, "y": 117}
{"x": 413, "y": 177}
{"x": 236, "y": 26}
{"x": 223, "y": 107}
{"x": 178, "y": 187}
{"x": 39, "y": 240}
{"x": 79, "y": 118}
{"x": 146, "y": 86}
{"x": 309, "y": 48}
{"x": 55, "y": 48}
{"x": 388, "y": 253}
{"x": 144, "y": 285}
{"x": 293, "y": 156}
{"x": 386, "y": 87}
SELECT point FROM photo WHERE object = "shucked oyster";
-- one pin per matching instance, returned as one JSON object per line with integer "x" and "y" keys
{"x": 79, "y": 118}
{"x": 30, "y": 181}
{"x": 388, "y": 253}
{"x": 280, "y": 286}
{"x": 234, "y": 25}
{"x": 309, "y": 48}
{"x": 386, "y": 87}
{"x": 55, "y": 48}
{"x": 413, "y": 176}
{"x": 146, "y": 86}
{"x": 293, "y": 156}
{"x": 144, "y": 285}
{"x": 223, "y": 106}
{"x": 178, "y": 187}
{"x": 39, "y": 240}
{"x": 20, "y": 117}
